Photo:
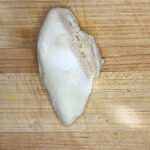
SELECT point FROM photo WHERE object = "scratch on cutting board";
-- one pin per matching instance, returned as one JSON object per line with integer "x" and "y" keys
{"x": 67, "y": 3}
{"x": 11, "y": 97}
{"x": 84, "y": 13}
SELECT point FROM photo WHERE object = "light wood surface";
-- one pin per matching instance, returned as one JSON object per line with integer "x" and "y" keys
{"x": 118, "y": 112}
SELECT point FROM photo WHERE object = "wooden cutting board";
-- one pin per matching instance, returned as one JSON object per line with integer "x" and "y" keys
{"x": 118, "y": 113}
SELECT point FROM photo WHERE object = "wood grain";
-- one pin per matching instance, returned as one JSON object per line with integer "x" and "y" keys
{"x": 118, "y": 112}
{"x": 121, "y": 29}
